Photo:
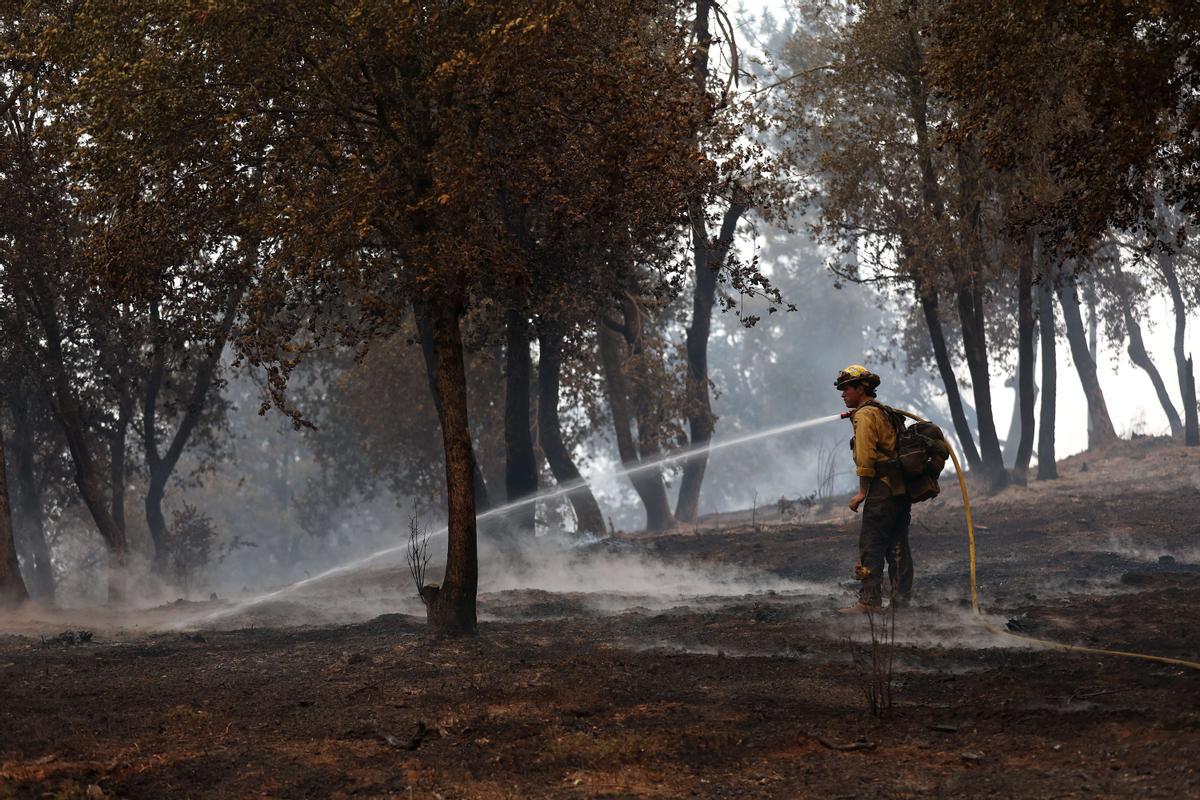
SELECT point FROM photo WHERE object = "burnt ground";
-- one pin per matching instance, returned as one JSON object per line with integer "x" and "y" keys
{"x": 749, "y": 688}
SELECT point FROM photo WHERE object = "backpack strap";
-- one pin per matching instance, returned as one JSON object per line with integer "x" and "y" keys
{"x": 893, "y": 416}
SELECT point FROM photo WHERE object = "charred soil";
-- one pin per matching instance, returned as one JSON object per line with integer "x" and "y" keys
{"x": 747, "y": 694}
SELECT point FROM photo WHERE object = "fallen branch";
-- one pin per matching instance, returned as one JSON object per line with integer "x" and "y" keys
{"x": 861, "y": 744}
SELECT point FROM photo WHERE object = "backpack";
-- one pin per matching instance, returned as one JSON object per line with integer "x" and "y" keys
{"x": 921, "y": 451}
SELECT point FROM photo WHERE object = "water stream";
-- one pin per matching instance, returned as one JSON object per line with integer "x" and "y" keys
{"x": 559, "y": 491}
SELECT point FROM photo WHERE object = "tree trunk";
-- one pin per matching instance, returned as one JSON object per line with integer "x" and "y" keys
{"x": 1013, "y": 438}
{"x": 12, "y": 586}
{"x": 1012, "y": 442}
{"x": 1187, "y": 382}
{"x": 933, "y": 322}
{"x": 87, "y": 479}
{"x": 642, "y": 391}
{"x": 162, "y": 465}
{"x": 1190, "y": 436}
{"x": 648, "y": 482}
{"x": 156, "y": 486}
{"x": 1101, "y": 430}
{"x": 451, "y": 609}
{"x": 1093, "y": 337}
{"x": 1026, "y": 357}
{"x": 156, "y": 490}
{"x": 483, "y": 502}
{"x": 708, "y": 258}
{"x": 116, "y": 458}
{"x": 1139, "y": 356}
{"x": 29, "y": 501}
{"x": 1047, "y": 464}
{"x": 970, "y": 312}
{"x": 70, "y": 418}
{"x": 588, "y": 517}
{"x": 520, "y": 466}
{"x": 1093, "y": 322}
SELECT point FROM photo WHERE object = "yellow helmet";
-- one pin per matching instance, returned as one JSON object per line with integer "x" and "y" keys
{"x": 856, "y": 373}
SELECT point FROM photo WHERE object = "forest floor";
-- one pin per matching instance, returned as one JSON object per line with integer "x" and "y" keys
{"x": 709, "y": 663}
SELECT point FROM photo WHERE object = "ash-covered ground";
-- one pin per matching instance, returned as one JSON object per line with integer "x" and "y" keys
{"x": 708, "y": 662}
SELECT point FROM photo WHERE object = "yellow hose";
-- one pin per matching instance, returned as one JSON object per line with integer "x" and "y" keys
{"x": 962, "y": 484}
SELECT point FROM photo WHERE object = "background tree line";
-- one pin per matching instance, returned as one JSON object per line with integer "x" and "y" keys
{"x": 1001, "y": 169}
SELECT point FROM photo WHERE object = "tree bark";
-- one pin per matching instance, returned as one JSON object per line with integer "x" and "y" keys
{"x": 520, "y": 466}
{"x": 116, "y": 457}
{"x": 1013, "y": 438}
{"x": 451, "y": 608}
{"x": 941, "y": 354}
{"x": 1093, "y": 334}
{"x": 1026, "y": 356}
{"x": 971, "y": 313}
{"x": 1101, "y": 430}
{"x": 12, "y": 585}
{"x": 1047, "y": 464}
{"x": 162, "y": 465}
{"x": 1187, "y": 382}
{"x": 1139, "y": 356}
{"x": 70, "y": 418}
{"x": 29, "y": 500}
{"x": 648, "y": 482}
{"x": 483, "y": 502}
{"x": 642, "y": 391}
{"x": 588, "y": 517}
{"x": 157, "y": 483}
{"x": 1190, "y": 435}
{"x": 708, "y": 258}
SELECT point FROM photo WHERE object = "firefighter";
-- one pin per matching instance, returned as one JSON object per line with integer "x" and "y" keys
{"x": 886, "y": 507}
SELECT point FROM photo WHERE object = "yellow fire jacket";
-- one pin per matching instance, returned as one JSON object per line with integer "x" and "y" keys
{"x": 874, "y": 440}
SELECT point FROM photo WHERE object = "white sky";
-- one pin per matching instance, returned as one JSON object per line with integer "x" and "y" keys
{"x": 1131, "y": 400}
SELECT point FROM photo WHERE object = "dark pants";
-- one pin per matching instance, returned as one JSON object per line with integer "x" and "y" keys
{"x": 884, "y": 539}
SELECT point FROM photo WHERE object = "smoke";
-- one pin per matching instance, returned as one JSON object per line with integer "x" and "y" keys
{"x": 609, "y": 579}
{"x": 35, "y": 621}
{"x": 552, "y": 572}
{"x": 1124, "y": 545}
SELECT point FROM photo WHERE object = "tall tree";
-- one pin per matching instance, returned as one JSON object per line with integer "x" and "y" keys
{"x": 1124, "y": 279}
{"x": 1141, "y": 357}
{"x": 883, "y": 184}
{"x": 622, "y": 357}
{"x": 1100, "y": 429}
{"x": 520, "y": 467}
{"x": 31, "y": 422}
{"x": 206, "y": 338}
{"x": 588, "y": 516}
{"x": 12, "y": 585}
{"x": 970, "y": 279}
{"x": 1047, "y": 336}
{"x": 709, "y": 253}
{"x": 1183, "y": 362}
{"x": 62, "y": 327}
{"x": 1026, "y": 387}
